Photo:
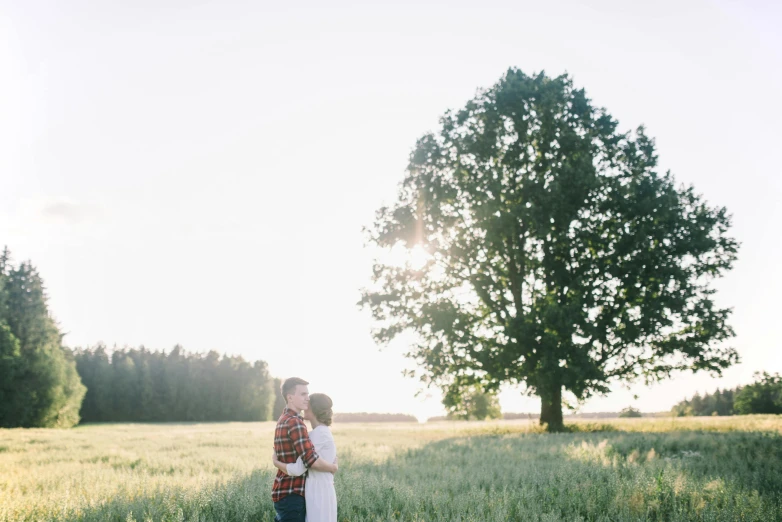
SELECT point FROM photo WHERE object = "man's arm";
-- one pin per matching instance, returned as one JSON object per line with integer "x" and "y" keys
{"x": 294, "y": 470}
{"x": 304, "y": 448}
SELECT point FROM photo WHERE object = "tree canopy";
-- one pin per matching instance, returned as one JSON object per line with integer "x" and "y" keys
{"x": 550, "y": 252}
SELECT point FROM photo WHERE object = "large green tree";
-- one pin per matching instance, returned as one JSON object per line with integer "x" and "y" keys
{"x": 557, "y": 256}
{"x": 39, "y": 385}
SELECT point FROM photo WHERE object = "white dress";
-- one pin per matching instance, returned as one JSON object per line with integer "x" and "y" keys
{"x": 319, "y": 493}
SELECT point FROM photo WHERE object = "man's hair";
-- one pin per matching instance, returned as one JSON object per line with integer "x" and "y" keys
{"x": 290, "y": 385}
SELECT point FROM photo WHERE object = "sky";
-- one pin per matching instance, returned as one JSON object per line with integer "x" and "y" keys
{"x": 200, "y": 172}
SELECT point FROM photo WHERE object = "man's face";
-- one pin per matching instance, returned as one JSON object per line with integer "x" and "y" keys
{"x": 300, "y": 398}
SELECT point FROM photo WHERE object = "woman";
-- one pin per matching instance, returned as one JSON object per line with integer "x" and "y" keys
{"x": 319, "y": 493}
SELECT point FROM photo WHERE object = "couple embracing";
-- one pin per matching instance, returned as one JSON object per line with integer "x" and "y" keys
{"x": 303, "y": 489}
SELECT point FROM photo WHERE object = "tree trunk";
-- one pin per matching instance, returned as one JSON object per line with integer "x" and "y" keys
{"x": 551, "y": 408}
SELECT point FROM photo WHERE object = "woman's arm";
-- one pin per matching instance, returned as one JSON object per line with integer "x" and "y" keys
{"x": 322, "y": 465}
{"x": 297, "y": 468}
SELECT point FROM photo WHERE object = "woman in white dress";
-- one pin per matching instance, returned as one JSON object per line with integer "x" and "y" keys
{"x": 319, "y": 494}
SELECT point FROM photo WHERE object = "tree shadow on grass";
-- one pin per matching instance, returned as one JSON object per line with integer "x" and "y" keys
{"x": 596, "y": 476}
{"x": 575, "y": 476}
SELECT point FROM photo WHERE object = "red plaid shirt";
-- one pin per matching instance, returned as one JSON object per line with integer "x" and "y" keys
{"x": 291, "y": 441}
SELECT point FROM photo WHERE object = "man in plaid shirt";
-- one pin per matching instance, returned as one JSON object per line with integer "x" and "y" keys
{"x": 291, "y": 441}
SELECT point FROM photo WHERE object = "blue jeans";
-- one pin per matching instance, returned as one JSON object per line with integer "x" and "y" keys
{"x": 290, "y": 509}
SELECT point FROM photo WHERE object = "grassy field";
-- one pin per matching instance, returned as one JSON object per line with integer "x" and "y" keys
{"x": 634, "y": 469}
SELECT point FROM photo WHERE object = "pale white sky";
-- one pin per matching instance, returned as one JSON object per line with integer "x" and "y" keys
{"x": 199, "y": 172}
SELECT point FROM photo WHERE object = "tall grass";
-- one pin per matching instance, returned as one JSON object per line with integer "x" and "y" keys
{"x": 628, "y": 469}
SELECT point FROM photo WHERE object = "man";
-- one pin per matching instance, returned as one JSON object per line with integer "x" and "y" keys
{"x": 291, "y": 441}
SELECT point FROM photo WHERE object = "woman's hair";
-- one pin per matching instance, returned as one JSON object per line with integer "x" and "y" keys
{"x": 321, "y": 404}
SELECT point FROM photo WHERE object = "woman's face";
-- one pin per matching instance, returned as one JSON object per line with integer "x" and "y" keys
{"x": 308, "y": 415}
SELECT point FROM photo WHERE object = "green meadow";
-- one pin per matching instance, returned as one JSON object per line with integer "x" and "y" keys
{"x": 710, "y": 469}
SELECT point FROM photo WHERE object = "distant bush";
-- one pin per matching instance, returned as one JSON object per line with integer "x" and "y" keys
{"x": 471, "y": 403}
{"x": 630, "y": 412}
{"x": 515, "y": 416}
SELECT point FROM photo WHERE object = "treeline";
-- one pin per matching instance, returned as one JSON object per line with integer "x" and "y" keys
{"x": 139, "y": 385}
{"x": 536, "y": 416}
{"x": 764, "y": 396}
{"x": 718, "y": 403}
{"x": 44, "y": 384}
{"x": 39, "y": 386}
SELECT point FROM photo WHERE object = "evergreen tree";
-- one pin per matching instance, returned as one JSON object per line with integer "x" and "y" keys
{"x": 124, "y": 389}
{"x": 11, "y": 370}
{"x": 279, "y": 401}
{"x": 264, "y": 395}
{"x": 146, "y": 406}
{"x": 41, "y": 387}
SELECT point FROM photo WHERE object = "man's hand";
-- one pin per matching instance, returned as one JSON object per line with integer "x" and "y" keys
{"x": 277, "y": 464}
